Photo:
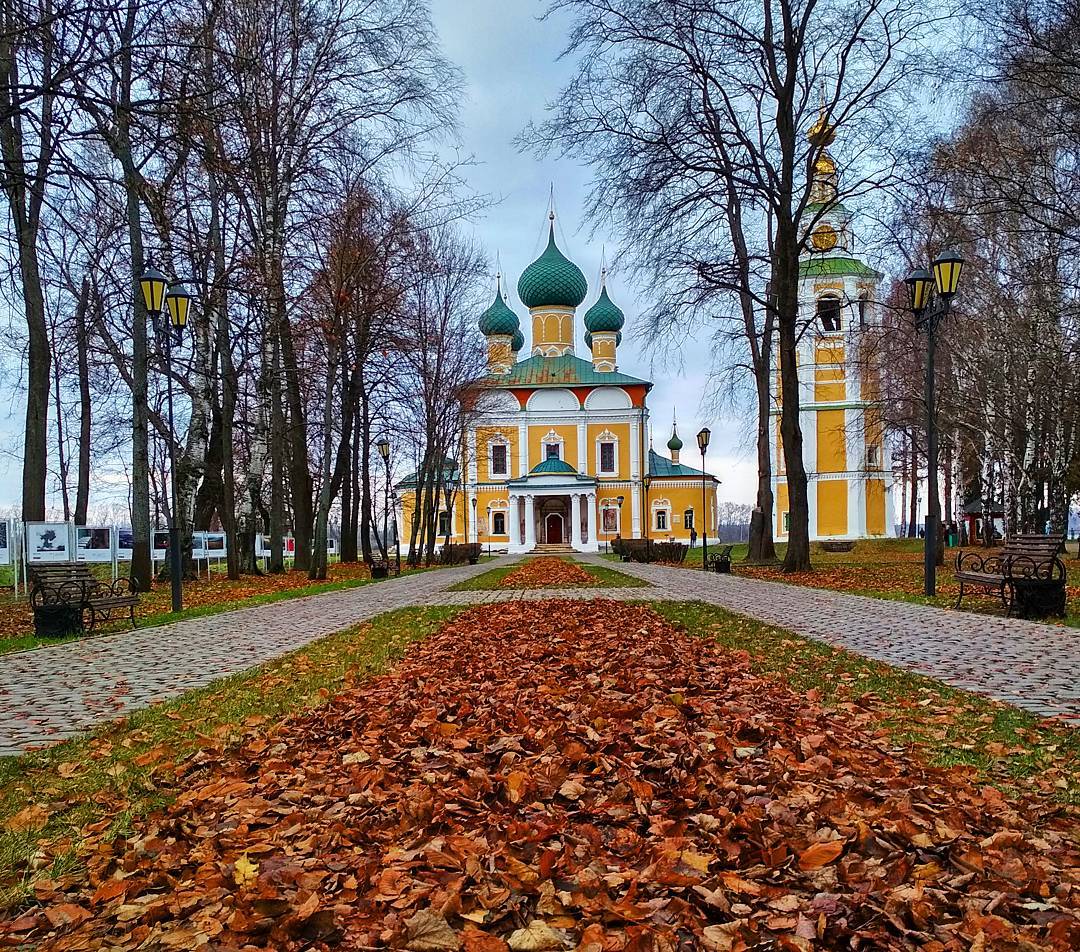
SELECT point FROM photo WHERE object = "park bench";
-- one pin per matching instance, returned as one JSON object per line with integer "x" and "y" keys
{"x": 67, "y": 597}
{"x": 721, "y": 561}
{"x": 1026, "y": 574}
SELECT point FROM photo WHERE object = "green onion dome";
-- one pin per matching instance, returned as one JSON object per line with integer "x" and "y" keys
{"x": 498, "y": 318}
{"x": 674, "y": 443}
{"x": 552, "y": 279}
{"x": 604, "y": 315}
{"x": 518, "y": 342}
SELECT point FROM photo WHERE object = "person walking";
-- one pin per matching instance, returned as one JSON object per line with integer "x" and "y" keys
{"x": 693, "y": 537}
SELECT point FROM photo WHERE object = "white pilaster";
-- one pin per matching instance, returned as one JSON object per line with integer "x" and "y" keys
{"x": 472, "y": 455}
{"x": 582, "y": 450}
{"x": 530, "y": 522}
{"x": 473, "y": 534}
{"x": 591, "y": 545}
{"x": 575, "y": 520}
{"x": 523, "y": 449}
{"x": 635, "y": 511}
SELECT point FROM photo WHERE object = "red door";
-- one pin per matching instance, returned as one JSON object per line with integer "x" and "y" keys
{"x": 554, "y": 529}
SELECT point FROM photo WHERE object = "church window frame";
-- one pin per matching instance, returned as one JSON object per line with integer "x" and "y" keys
{"x": 446, "y": 524}
{"x": 873, "y": 456}
{"x": 552, "y": 440}
{"x": 498, "y": 523}
{"x": 688, "y": 519}
{"x": 829, "y": 314}
{"x": 499, "y": 443}
{"x": 660, "y": 517}
{"x": 607, "y": 439}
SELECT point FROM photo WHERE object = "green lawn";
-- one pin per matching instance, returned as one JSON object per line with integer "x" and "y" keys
{"x": 603, "y": 576}
{"x": 131, "y": 766}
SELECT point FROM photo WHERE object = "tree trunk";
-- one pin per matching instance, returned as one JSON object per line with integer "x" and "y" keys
{"x": 299, "y": 468}
{"x": 277, "y": 462}
{"x": 82, "y": 333}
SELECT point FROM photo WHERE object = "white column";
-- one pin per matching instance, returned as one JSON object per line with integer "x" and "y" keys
{"x": 523, "y": 449}
{"x": 575, "y": 520}
{"x": 582, "y": 450}
{"x": 513, "y": 518}
{"x": 530, "y": 522}
{"x": 590, "y": 501}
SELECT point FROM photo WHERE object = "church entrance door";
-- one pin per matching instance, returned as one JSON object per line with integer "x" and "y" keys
{"x": 553, "y": 529}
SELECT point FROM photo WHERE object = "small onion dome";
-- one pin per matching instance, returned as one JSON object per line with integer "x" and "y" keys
{"x": 498, "y": 318}
{"x": 604, "y": 315}
{"x": 552, "y": 279}
{"x": 674, "y": 444}
{"x": 518, "y": 342}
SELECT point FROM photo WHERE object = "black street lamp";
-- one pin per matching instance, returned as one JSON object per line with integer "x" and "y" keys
{"x": 703, "y": 445}
{"x": 646, "y": 482}
{"x": 618, "y": 518}
{"x": 383, "y": 446}
{"x": 177, "y": 303}
{"x": 929, "y": 310}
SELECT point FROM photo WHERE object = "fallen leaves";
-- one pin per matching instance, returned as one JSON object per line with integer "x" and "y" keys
{"x": 610, "y": 785}
{"x": 820, "y": 854}
{"x": 548, "y": 571}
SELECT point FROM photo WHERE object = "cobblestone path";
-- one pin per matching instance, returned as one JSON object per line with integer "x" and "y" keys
{"x": 56, "y": 692}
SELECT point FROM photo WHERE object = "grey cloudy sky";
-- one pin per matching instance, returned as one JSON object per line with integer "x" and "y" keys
{"x": 511, "y": 69}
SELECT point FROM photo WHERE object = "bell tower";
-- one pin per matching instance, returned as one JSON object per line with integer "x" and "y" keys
{"x": 850, "y": 478}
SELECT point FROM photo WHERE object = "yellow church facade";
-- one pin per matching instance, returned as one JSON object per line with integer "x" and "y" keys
{"x": 844, "y": 449}
{"x": 557, "y": 455}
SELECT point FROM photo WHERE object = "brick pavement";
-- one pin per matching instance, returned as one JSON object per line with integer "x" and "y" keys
{"x": 55, "y": 692}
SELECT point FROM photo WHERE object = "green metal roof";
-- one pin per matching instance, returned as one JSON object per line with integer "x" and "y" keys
{"x": 828, "y": 267}
{"x": 552, "y": 465}
{"x": 498, "y": 318}
{"x": 565, "y": 371}
{"x": 451, "y": 475}
{"x": 604, "y": 315}
{"x": 838, "y": 208}
{"x": 661, "y": 467}
{"x": 552, "y": 279}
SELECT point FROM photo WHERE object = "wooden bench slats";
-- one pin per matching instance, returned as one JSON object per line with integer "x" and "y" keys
{"x": 73, "y": 584}
{"x": 1026, "y": 570}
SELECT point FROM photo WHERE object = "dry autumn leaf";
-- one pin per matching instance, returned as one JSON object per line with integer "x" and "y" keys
{"x": 820, "y": 854}
{"x": 535, "y": 937}
{"x": 430, "y": 932}
{"x": 245, "y": 872}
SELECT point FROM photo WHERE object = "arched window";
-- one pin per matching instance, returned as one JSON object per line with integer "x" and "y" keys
{"x": 864, "y": 309}
{"x": 828, "y": 312}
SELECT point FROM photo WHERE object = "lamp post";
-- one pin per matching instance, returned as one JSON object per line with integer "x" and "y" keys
{"x": 929, "y": 310}
{"x": 177, "y": 302}
{"x": 618, "y": 518}
{"x": 703, "y": 445}
{"x": 646, "y": 482}
{"x": 383, "y": 445}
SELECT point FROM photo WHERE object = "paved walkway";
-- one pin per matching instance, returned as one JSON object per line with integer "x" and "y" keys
{"x": 55, "y": 692}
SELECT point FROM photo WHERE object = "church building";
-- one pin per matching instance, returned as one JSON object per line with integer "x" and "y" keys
{"x": 559, "y": 455}
{"x": 847, "y": 462}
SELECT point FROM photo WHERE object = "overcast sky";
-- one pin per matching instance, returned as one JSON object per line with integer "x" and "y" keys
{"x": 510, "y": 63}
{"x": 509, "y": 59}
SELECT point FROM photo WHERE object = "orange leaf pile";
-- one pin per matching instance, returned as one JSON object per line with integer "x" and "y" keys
{"x": 574, "y": 775}
{"x": 548, "y": 571}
